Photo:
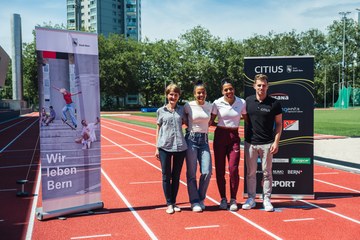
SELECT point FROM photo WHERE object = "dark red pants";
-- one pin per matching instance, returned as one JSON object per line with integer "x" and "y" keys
{"x": 227, "y": 145}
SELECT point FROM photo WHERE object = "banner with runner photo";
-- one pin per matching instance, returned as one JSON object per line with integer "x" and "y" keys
{"x": 291, "y": 81}
{"x": 69, "y": 106}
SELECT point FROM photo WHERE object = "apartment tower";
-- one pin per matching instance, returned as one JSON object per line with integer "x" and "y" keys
{"x": 105, "y": 17}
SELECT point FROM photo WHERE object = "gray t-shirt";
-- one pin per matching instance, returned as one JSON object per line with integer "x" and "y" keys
{"x": 170, "y": 136}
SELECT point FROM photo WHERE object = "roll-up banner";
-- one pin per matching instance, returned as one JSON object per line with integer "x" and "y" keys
{"x": 291, "y": 81}
{"x": 69, "y": 97}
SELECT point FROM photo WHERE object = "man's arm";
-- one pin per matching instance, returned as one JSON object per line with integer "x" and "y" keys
{"x": 278, "y": 129}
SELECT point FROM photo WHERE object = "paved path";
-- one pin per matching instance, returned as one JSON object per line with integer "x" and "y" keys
{"x": 344, "y": 152}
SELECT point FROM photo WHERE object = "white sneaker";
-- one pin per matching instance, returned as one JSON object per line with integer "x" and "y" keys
{"x": 170, "y": 209}
{"x": 202, "y": 205}
{"x": 233, "y": 205}
{"x": 223, "y": 204}
{"x": 267, "y": 205}
{"x": 196, "y": 207}
{"x": 249, "y": 204}
{"x": 176, "y": 208}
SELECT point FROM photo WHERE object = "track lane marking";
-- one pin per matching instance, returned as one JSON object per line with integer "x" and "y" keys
{"x": 92, "y": 236}
{"x": 18, "y": 136}
{"x": 132, "y": 210}
{"x": 213, "y": 200}
{"x": 299, "y": 219}
{"x": 30, "y": 226}
{"x": 13, "y": 124}
{"x": 213, "y": 167}
{"x": 149, "y": 182}
{"x": 335, "y": 185}
{"x": 326, "y": 173}
{"x": 202, "y": 227}
{"x": 332, "y": 212}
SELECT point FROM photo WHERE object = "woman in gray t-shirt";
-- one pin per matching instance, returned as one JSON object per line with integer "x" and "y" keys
{"x": 171, "y": 145}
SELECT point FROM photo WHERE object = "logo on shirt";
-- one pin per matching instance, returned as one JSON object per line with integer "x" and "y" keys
{"x": 291, "y": 125}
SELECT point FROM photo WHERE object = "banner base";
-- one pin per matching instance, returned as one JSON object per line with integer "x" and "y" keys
{"x": 40, "y": 215}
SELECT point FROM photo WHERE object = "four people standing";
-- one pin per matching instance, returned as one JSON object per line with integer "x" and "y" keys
{"x": 263, "y": 117}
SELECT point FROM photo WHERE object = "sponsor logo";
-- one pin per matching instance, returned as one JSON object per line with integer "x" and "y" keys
{"x": 280, "y": 96}
{"x": 269, "y": 69}
{"x": 301, "y": 160}
{"x": 288, "y": 68}
{"x": 278, "y": 172}
{"x": 291, "y": 110}
{"x": 280, "y": 160}
{"x": 294, "y": 172}
{"x": 292, "y": 69}
{"x": 75, "y": 41}
{"x": 284, "y": 184}
{"x": 291, "y": 125}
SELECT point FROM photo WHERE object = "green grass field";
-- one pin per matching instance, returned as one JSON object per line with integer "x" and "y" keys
{"x": 338, "y": 122}
{"x": 330, "y": 121}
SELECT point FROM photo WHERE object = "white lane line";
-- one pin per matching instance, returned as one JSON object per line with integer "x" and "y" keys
{"x": 299, "y": 219}
{"x": 30, "y": 227}
{"x": 213, "y": 200}
{"x": 8, "y": 190}
{"x": 335, "y": 185}
{"x": 326, "y": 173}
{"x": 149, "y": 182}
{"x": 18, "y": 136}
{"x": 122, "y": 126}
{"x": 332, "y": 212}
{"x": 124, "y": 158}
{"x": 12, "y": 124}
{"x": 202, "y": 227}
{"x": 137, "y": 216}
{"x": 19, "y": 166}
{"x": 92, "y": 236}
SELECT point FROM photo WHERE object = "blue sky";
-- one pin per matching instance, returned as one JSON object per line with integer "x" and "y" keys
{"x": 168, "y": 19}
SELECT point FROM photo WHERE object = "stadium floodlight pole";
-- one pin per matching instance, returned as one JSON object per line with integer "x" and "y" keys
{"x": 343, "y": 14}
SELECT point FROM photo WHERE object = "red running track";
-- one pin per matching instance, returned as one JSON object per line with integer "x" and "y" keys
{"x": 135, "y": 206}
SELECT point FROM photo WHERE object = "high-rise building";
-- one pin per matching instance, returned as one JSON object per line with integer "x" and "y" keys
{"x": 105, "y": 17}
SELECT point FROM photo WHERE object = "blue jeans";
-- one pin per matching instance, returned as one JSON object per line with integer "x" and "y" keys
{"x": 171, "y": 175}
{"x": 70, "y": 108}
{"x": 198, "y": 150}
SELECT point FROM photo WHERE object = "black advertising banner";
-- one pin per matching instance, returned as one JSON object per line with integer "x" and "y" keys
{"x": 291, "y": 81}
{"x": 69, "y": 97}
